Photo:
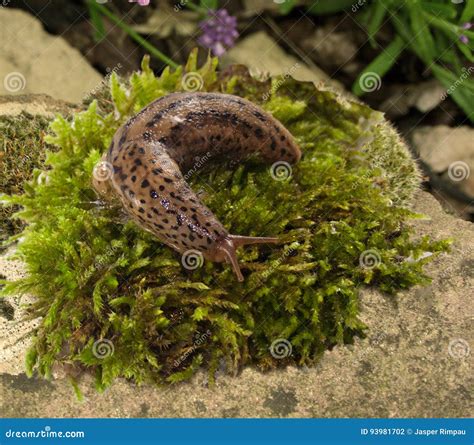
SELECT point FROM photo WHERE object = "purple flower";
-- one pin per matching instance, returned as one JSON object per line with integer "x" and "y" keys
{"x": 140, "y": 2}
{"x": 466, "y": 25}
{"x": 464, "y": 39}
{"x": 219, "y": 31}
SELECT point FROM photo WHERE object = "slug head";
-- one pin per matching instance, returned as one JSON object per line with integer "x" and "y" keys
{"x": 226, "y": 248}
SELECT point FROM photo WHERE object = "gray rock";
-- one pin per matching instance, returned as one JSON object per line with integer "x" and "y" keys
{"x": 33, "y": 61}
{"x": 263, "y": 55}
{"x": 336, "y": 49}
{"x": 449, "y": 151}
{"x": 425, "y": 96}
{"x": 440, "y": 146}
{"x": 416, "y": 360}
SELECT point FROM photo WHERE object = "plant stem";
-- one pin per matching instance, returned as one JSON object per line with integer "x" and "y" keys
{"x": 96, "y": 19}
{"x": 195, "y": 8}
{"x": 135, "y": 36}
{"x": 441, "y": 24}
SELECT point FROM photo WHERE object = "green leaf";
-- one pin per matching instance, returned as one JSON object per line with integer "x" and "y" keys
{"x": 378, "y": 67}
{"x": 323, "y": 7}
{"x": 378, "y": 13}
{"x": 31, "y": 360}
{"x": 286, "y": 7}
{"x": 447, "y": 11}
{"x": 200, "y": 313}
{"x": 421, "y": 32}
{"x": 97, "y": 22}
{"x": 209, "y": 4}
{"x": 461, "y": 89}
{"x": 468, "y": 12}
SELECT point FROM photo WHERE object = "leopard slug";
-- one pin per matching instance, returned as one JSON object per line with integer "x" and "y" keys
{"x": 153, "y": 154}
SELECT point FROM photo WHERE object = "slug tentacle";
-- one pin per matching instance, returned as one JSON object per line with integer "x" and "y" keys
{"x": 228, "y": 246}
{"x": 153, "y": 155}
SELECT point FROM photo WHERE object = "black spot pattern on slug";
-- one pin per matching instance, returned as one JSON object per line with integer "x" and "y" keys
{"x": 165, "y": 141}
{"x": 258, "y": 133}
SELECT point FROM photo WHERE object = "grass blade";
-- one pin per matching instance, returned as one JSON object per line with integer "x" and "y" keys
{"x": 381, "y": 64}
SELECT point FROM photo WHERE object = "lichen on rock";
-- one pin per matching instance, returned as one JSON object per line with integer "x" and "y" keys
{"x": 117, "y": 302}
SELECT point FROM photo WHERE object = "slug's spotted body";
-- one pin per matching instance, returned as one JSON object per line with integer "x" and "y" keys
{"x": 156, "y": 150}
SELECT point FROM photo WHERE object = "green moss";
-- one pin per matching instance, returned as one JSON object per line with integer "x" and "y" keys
{"x": 22, "y": 148}
{"x": 103, "y": 284}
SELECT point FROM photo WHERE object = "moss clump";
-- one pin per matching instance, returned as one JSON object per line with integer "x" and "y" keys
{"x": 119, "y": 303}
{"x": 22, "y": 148}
